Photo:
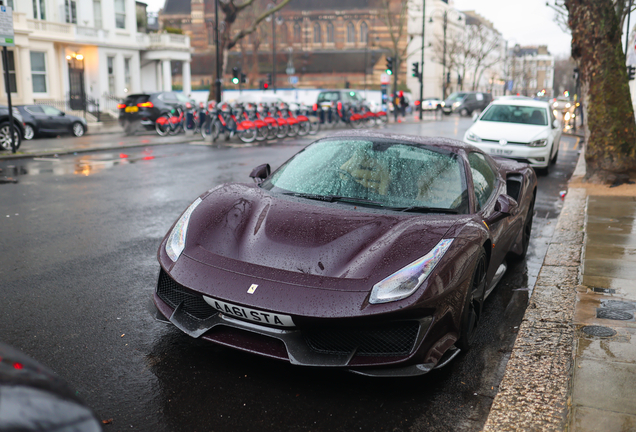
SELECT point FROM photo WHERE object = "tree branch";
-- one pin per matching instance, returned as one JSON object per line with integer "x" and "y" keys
{"x": 244, "y": 32}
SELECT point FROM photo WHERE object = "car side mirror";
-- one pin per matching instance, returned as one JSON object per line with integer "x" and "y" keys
{"x": 260, "y": 173}
{"x": 62, "y": 113}
{"x": 504, "y": 207}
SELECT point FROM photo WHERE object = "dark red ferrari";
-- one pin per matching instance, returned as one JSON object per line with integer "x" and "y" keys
{"x": 367, "y": 251}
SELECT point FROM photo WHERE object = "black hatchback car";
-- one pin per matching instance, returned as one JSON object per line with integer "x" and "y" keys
{"x": 144, "y": 108}
{"x": 465, "y": 103}
{"x": 40, "y": 120}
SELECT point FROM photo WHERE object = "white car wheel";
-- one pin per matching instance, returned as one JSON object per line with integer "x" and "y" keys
{"x": 29, "y": 133}
{"x": 78, "y": 129}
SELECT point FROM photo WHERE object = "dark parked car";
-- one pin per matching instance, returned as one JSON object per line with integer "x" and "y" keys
{"x": 328, "y": 98}
{"x": 465, "y": 103}
{"x": 34, "y": 399}
{"x": 42, "y": 120}
{"x": 18, "y": 130}
{"x": 366, "y": 251}
{"x": 144, "y": 109}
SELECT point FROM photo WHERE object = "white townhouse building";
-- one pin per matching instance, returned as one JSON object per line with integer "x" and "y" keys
{"x": 95, "y": 49}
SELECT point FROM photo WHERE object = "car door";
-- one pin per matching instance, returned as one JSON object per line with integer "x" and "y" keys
{"x": 469, "y": 102}
{"x": 56, "y": 119}
{"x": 39, "y": 118}
{"x": 486, "y": 187}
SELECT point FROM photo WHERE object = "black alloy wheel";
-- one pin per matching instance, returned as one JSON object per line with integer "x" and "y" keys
{"x": 473, "y": 304}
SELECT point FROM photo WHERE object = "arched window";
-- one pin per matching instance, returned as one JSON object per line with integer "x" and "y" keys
{"x": 364, "y": 32}
{"x": 351, "y": 33}
{"x": 330, "y": 38}
{"x": 297, "y": 33}
{"x": 283, "y": 33}
{"x": 317, "y": 33}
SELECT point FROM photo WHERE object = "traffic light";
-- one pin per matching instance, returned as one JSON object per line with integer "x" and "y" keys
{"x": 235, "y": 75}
{"x": 416, "y": 69}
{"x": 631, "y": 73}
{"x": 575, "y": 75}
{"x": 268, "y": 81}
{"x": 389, "y": 65}
{"x": 459, "y": 79}
{"x": 243, "y": 78}
{"x": 447, "y": 77}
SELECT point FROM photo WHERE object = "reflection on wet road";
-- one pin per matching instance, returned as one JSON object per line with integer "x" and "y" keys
{"x": 83, "y": 233}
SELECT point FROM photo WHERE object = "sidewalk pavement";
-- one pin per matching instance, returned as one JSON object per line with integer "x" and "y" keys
{"x": 573, "y": 365}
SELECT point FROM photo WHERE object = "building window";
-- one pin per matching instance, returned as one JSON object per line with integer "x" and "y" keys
{"x": 39, "y": 9}
{"x": 110, "y": 63}
{"x": 97, "y": 13}
{"x": 297, "y": 33}
{"x": 70, "y": 10}
{"x": 127, "y": 75}
{"x": 38, "y": 71}
{"x": 283, "y": 33}
{"x": 120, "y": 14}
{"x": 351, "y": 33}
{"x": 364, "y": 32}
{"x": 330, "y": 33}
{"x": 10, "y": 4}
{"x": 12, "y": 82}
{"x": 317, "y": 33}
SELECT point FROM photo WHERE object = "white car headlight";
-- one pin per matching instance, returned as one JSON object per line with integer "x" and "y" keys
{"x": 456, "y": 104}
{"x": 539, "y": 143}
{"x": 176, "y": 240}
{"x": 472, "y": 137}
{"x": 405, "y": 281}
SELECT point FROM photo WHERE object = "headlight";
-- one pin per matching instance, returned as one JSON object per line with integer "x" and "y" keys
{"x": 539, "y": 143}
{"x": 456, "y": 104}
{"x": 472, "y": 137}
{"x": 443, "y": 104}
{"x": 404, "y": 282}
{"x": 555, "y": 104}
{"x": 176, "y": 241}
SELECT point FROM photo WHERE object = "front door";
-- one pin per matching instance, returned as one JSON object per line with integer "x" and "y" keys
{"x": 77, "y": 95}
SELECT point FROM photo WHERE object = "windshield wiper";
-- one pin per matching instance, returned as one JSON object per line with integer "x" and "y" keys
{"x": 421, "y": 209}
{"x": 334, "y": 198}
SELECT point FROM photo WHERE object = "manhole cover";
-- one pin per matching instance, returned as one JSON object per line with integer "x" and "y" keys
{"x": 620, "y": 305}
{"x": 598, "y": 331}
{"x": 613, "y": 314}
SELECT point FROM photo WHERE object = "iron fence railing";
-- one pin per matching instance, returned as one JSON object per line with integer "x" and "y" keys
{"x": 77, "y": 106}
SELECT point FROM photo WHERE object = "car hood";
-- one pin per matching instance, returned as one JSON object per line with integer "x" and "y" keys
{"x": 250, "y": 225}
{"x": 511, "y": 132}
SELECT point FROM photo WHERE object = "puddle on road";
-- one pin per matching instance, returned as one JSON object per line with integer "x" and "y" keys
{"x": 84, "y": 165}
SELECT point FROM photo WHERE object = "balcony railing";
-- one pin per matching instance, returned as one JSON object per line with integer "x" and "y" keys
{"x": 49, "y": 26}
{"x": 163, "y": 41}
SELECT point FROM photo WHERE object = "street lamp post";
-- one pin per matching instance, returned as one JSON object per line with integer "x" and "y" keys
{"x": 217, "y": 82}
{"x": 422, "y": 71}
{"x": 445, "y": 25}
{"x": 274, "y": 50}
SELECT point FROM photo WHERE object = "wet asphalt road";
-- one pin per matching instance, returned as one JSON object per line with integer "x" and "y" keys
{"x": 80, "y": 235}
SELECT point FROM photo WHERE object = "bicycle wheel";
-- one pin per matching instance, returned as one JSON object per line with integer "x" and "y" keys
{"x": 247, "y": 135}
{"x": 305, "y": 127}
{"x": 162, "y": 125}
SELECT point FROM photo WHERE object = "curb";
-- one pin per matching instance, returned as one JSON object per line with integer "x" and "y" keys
{"x": 534, "y": 392}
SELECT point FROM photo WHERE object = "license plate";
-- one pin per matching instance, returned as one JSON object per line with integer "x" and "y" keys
{"x": 500, "y": 152}
{"x": 132, "y": 109}
{"x": 254, "y": 315}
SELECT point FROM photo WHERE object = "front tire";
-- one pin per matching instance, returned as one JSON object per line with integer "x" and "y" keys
{"x": 162, "y": 126}
{"x": 5, "y": 134}
{"x": 248, "y": 135}
{"x": 29, "y": 133}
{"x": 78, "y": 129}
{"x": 473, "y": 304}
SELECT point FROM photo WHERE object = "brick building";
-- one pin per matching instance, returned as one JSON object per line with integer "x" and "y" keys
{"x": 328, "y": 43}
{"x": 531, "y": 70}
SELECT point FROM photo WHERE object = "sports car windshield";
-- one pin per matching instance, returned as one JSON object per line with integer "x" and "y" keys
{"x": 516, "y": 114}
{"x": 387, "y": 174}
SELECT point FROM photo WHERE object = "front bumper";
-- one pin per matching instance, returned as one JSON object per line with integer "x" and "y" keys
{"x": 538, "y": 157}
{"x": 366, "y": 350}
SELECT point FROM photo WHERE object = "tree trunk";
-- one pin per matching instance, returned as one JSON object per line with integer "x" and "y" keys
{"x": 610, "y": 129}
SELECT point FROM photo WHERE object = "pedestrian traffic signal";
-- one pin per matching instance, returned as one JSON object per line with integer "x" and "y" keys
{"x": 631, "y": 73}
{"x": 447, "y": 77}
{"x": 416, "y": 69}
{"x": 459, "y": 79}
{"x": 268, "y": 81}
{"x": 235, "y": 75}
{"x": 389, "y": 65}
{"x": 243, "y": 78}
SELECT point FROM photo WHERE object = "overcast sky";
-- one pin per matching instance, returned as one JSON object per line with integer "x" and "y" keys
{"x": 527, "y": 22}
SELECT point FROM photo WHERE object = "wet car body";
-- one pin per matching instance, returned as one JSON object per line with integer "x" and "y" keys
{"x": 290, "y": 278}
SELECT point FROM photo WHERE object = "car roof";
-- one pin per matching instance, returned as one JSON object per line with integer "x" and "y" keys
{"x": 522, "y": 102}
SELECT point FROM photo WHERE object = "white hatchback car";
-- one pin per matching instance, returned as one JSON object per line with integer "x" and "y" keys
{"x": 521, "y": 129}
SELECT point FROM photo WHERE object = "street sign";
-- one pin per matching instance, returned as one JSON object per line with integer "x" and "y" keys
{"x": 290, "y": 70}
{"x": 384, "y": 79}
{"x": 6, "y": 26}
{"x": 293, "y": 80}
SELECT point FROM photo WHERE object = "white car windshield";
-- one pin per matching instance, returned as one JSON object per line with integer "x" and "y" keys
{"x": 516, "y": 114}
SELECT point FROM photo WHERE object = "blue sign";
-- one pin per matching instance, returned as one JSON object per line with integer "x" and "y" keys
{"x": 293, "y": 80}
{"x": 509, "y": 85}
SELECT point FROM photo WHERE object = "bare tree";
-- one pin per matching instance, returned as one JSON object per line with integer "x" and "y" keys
{"x": 228, "y": 38}
{"x": 394, "y": 15}
{"x": 482, "y": 42}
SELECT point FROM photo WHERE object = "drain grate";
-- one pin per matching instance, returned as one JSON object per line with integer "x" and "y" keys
{"x": 613, "y": 314}
{"x": 598, "y": 331}
{"x": 604, "y": 290}
{"x": 619, "y": 305}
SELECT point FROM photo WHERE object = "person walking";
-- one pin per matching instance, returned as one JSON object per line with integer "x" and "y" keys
{"x": 402, "y": 104}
